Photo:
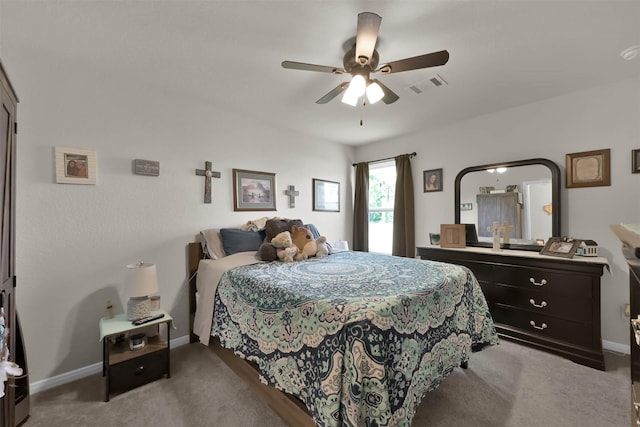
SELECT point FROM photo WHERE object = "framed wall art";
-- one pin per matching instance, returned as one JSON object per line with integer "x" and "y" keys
{"x": 432, "y": 180}
{"x": 635, "y": 161}
{"x": 76, "y": 166}
{"x": 254, "y": 191}
{"x": 589, "y": 168}
{"x": 326, "y": 195}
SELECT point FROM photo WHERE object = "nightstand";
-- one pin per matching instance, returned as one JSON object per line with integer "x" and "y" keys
{"x": 123, "y": 368}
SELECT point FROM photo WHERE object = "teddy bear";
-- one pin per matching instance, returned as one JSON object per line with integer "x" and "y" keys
{"x": 285, "y": 249}
{"x": 323, "y": 247}
{"x": 305, "y": 242}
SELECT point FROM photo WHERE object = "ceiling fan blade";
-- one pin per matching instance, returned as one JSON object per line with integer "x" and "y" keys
{"x": 312, "y": 67}
{"x": 333, "y": 93}
{"x": 389, "y": 96}
{"x": 433, "y": 59}
{"x": 367, "y": 36}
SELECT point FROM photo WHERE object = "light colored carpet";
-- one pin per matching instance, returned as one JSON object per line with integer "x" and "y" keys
{"x": 505, "y": 385}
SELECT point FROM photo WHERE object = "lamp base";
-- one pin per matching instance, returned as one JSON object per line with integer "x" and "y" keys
{"x": 137, "y": 308}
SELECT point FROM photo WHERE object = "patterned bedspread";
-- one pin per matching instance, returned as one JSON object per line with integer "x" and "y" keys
{"x": 358, "y": 337}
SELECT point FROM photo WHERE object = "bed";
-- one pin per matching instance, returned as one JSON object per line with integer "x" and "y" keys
{"x": 350, "y": 339}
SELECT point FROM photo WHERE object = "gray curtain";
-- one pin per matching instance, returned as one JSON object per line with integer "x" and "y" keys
{"x": 361, "y": 209}
{"x": 403, "y": 210}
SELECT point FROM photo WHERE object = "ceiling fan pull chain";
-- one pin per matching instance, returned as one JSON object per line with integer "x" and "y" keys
{"x": 362, "y": 111}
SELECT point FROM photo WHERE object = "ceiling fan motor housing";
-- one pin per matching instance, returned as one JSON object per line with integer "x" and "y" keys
{"x": 353, "y": 66}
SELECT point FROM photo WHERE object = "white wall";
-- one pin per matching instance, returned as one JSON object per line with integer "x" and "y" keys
{"x": 601, "y": 117}
{"x": 75, "y": 240}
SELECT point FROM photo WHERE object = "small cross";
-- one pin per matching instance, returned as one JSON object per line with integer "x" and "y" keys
{"x": 506, "y": 230}
{"x": 496, "y": 230}
{"x": 207, "y": 173}
{"x": 292, "y": 193}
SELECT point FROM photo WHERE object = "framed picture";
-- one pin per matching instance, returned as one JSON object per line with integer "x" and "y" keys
{"x": 453, "y": 236}
{"x": 326, "y": 196}
{"x": 589, "y": 169}
{"x": 466, "y": 206}
{"x": 76, "y": 166}
{"x": 434, "y": 238}
{"x": 432, "y": 180}
{"x": 635, "y": 161}
{"x": 557, "y": 246}
{"x": 253, "y": 191}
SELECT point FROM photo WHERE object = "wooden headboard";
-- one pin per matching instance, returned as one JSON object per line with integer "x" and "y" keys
{"x": 194, "y": 255}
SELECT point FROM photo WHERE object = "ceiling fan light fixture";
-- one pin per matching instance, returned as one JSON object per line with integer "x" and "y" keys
{"x": 350, "y": 98}
{"x": 374, "y": 93}
{"x": 358, "y": 85}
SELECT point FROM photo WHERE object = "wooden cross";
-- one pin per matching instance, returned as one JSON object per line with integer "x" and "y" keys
{"x": 207, "y": 173}
{"x": 506, "y": 230}
{"x": 496, "y": 230}
{"x": 292, "y": 193}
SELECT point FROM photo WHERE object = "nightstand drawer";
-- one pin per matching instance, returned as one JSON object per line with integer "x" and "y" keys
{"x": 546, "y": 326}
{"x": 547, "y": 280}
{"x": 139, "y": 370}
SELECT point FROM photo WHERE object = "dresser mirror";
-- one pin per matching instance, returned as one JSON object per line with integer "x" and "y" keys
{"x": 525, "y": 193}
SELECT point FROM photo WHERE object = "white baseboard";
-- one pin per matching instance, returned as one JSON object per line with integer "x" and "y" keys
{"x": 77, "y": 374}
{"x": 616, "y": 347}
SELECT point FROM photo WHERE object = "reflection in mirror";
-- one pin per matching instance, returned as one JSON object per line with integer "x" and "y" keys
{"x": 524, "y": 193}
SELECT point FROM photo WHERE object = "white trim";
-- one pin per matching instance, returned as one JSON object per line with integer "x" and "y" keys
{"x": 616, "y": 347}
{"x": 96, "y": 368}
{"x": 86, "y": 371}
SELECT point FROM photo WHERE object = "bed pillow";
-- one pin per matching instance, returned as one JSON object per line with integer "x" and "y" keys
{"x": 236, "y": 240}
{"x": 212, "y": 243}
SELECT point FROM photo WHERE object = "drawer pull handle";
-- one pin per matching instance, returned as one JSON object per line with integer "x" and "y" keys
{"x": 139, "y": 370}
{"x": 541, "y": 327}
{"x": 541, "y": 305}
{"x": 542, "y": 282}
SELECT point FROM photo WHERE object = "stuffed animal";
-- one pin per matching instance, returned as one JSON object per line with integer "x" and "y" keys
{"x": 323, "y": 247}
{"x": 305, "y": 242}
{"x": 285, "y": 249}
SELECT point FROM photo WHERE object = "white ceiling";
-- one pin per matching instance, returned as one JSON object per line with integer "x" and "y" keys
{"x": 228, "y": 54}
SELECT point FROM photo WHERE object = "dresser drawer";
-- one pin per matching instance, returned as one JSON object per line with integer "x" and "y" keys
{"x": 138, "y": 371}
{"x": 539, "y": 301}
{"x": 547, "y": 280}
{"x": 577, "y": 333}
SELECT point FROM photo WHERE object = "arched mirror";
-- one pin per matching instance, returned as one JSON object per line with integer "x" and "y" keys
{"x": 526, "y": 193}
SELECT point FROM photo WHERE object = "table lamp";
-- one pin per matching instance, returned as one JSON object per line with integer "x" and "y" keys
{"x": 141, "y": 281}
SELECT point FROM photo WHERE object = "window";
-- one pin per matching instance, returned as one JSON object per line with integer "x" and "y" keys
{"x": 382, "y": 187}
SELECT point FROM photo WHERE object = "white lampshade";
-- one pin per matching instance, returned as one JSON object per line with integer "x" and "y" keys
{"x": 141, "y": 281}
{"x": 374, "y": 93}
{"x": 350, "y": 98}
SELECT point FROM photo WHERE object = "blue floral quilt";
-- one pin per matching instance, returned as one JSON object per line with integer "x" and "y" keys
{"x": 358, "y": 337}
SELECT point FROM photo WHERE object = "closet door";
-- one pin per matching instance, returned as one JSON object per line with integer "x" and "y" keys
{"x": 7, "y": 232}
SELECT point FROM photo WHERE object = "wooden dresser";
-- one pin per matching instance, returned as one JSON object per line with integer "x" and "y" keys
{"x": 546, "y": 302}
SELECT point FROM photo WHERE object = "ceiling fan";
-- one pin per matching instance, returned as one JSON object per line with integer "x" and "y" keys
{"x": 361, "y": 60}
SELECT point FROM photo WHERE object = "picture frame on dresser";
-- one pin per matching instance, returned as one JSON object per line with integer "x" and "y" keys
{"x": 557, "y": 246}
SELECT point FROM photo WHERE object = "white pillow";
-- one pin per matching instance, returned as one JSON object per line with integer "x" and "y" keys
{"x": 212, "y": 243}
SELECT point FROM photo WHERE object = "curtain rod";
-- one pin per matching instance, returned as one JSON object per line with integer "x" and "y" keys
{"x": 411, "y": 155}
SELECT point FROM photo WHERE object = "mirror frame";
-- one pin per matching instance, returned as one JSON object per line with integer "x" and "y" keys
{"x": 555, "y": 198}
